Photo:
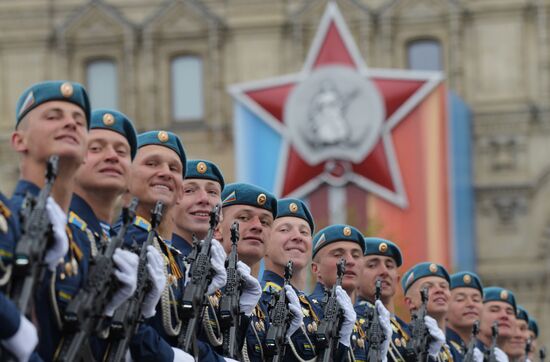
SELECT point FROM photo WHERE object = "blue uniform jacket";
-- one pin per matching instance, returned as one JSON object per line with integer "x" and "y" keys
{"x": 50, "y": 301}
{"x": 159, "y": 343}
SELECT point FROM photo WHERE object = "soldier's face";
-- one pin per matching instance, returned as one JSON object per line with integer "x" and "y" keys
{"x": 501, "y": 312}
{"x": 52, "y": 128}
{"x": 438, "y": 292}
{"x": 465, "y": 307}
{"x": 255, "y": 226}
{"x": 378, "y": 267}
{"x": 156, "y": 175}
{"x": 107, "y": 164}
{"x": 290, "y": 240}
{"x": 515, "y": 346}
{"x": 324, "y": 266}
{"x": 192, "y": 211}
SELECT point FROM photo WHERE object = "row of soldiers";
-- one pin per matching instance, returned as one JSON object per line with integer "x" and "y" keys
{"x": 173, "y": 277}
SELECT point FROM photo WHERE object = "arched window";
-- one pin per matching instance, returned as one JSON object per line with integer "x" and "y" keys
{"x": 187, "y": 88}
{"x": 102, "y": 83}
{"x": 424, "y": 54}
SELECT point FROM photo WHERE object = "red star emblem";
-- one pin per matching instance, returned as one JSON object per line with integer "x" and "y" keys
{"x": 378, "y": 171}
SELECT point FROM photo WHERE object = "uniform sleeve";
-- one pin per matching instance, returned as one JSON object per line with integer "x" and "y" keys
{"x": 10, "y": 318}
{"x": 146, "y": 345}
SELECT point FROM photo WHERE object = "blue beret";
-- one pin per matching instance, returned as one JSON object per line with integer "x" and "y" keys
{"x": 203, "y": 169}
{"x": 533, "y": 326}
{"x": 248, "y": 194}
{"x": 466, "y": 280}
{"x": 295, "y": 208}
{"x": 118, "y": 122}
{"x": 498, "y": 294}
{"x": 378, "y": 246}
{"x": 423, "y": 270}
{"x": 338, "y": 232}
{"x": 522, "y": 314}
{"x": 166, "y": 139}
{"x": 52, "y": 90}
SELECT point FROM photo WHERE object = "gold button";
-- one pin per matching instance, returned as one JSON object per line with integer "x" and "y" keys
{"x": 66, "y": 89}
{"x": 293, "y": 207}
{"x": 163, "y": 136}
{"x": 347, "y": 231}
{"x": 261, "y": 199}
{"x": 108, "y": 119}
{"x": 201, "y": 167}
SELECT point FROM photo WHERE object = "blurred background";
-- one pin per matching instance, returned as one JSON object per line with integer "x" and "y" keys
{"x": 169, "y": 64}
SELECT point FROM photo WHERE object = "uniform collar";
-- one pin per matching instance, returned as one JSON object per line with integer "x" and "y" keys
{"x": 181, "y": 244}
{"x": 318, "y": 292}
{"x": 271, "y": 277}
{"x": 85, "y": 212}
{"x": 24, "y": 186}
{"x": 454, "y": 337}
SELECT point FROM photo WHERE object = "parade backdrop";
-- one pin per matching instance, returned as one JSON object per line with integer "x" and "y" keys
{"x": 386, "y": 150}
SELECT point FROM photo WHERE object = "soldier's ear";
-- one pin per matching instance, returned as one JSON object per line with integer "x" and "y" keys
{"x": 218, "y": 234}
{"x": 18, "y": 141}
{"x": 314, "y": 267}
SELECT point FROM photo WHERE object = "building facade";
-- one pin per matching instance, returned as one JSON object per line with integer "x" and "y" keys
{"x": 168, "y": 63}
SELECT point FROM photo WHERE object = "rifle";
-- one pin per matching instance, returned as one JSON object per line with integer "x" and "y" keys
{"x": 194, "y": 296}
{"x": 542, "y": 354}
{"x": 229, "y": 302}
{"x": 37, "y": 235}
{"x": 127, "y": 317}
{"x": 469, "y": 355}
{"x": 490, "y": 355}
{"x": 83, "y": 315}
{"x": 419, "y": 332}
{"x": 327, "y": 335}
{"x": 279, "y": 317}
{"x": 375, "y": 334}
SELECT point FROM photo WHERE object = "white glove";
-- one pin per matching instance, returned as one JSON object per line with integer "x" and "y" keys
{"x": 385, "y": 323}
{"x": 346, "y": 330}
{"x": 58, "y": 218}
{"x": 23, "y": 342}
{"x": 155, "y": 267}
{"x": 297, "y": 317}
{"x": 438, "y": 337}
{"x": 478, "y": 355}
{"x": 181, "y": 356}
{"x": 230, "y": 359}
{"x": 126, "y": 264}
{"x": 252, "y": 291}
{"x": 500, "y": 355}
{"x": 217, "y": 260}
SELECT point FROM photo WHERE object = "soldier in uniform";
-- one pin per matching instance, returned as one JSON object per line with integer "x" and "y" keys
{"x": 202, "y": 188}
{"x": 465, "y": 309}
{"x": 255, "y": 209}
{"x": 291, "y": 239}
{"x": 17, "y": 334}
{"x": 53, "y": 118}
{"x": 100, "y": 182}
{"x": 382, "y": 260}
{"x": 499, "y": 305}
{"x": 515, "y": 346}
{"x": 533, "y": 335}
{"x": 156, "y": 175}
{"x": 331, "y": 244}
{"x": 436, "y": 279}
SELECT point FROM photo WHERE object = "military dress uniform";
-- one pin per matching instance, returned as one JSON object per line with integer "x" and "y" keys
{"x": 326, "y": 236}
{"x": 422, "y": 270}
{"x": 464, "y": 279}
